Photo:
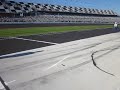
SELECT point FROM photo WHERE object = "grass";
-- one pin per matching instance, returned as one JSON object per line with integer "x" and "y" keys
{"x": 44, "y": 30}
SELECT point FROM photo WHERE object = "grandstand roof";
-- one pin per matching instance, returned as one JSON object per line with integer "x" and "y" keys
{"x": 21, "y": 7}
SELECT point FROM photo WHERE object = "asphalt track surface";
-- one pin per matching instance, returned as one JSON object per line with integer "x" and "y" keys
{"x": 22, "y": 43}
{"x": 66, "y": 66}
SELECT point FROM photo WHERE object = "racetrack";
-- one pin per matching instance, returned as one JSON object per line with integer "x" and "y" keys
{"x": 17, "y": 44}
{"x": 65, "y": 65}
{"x": 68, "y": 65}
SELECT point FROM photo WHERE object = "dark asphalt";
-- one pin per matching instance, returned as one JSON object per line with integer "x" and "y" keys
{"x": 15, "y": 45}
{"x": 70, "y": 36}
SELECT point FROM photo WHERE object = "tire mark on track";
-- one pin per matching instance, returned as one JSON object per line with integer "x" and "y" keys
{"x": 93, "y": 59}
{"x": 67, "y": 69}
{"x": 42, "y": 61}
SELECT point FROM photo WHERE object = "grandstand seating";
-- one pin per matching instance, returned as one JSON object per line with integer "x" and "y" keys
{"x": 11, "y": 11}
{"x": 20, "y": 7}
{"x": 63, "y": 18}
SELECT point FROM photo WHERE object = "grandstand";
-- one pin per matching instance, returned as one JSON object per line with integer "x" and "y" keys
{"x": 11, "y": 11}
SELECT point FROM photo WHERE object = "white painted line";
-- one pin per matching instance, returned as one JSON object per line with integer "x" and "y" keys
{"x": 34, "y": 40}
{"x": 57, "y": 63}
{"x": 1, "y": 86}
{"x": 10, "y": 82}
{"x": 7, "y": 38}
{"x": 35, "y": 65}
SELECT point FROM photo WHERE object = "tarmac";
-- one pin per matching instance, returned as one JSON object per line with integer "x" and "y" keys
{"x": 82, "y": 64}
{"x": 22, "y": 43}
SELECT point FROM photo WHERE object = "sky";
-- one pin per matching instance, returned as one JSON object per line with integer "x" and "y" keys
{"x": 97, "y": 4}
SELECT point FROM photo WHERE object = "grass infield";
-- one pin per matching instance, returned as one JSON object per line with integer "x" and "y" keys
{"x": 44, "y": 30}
